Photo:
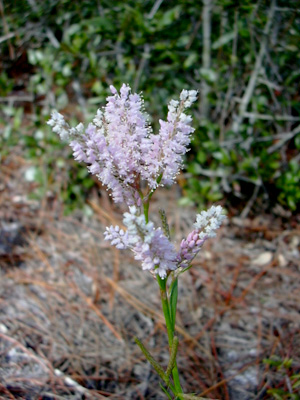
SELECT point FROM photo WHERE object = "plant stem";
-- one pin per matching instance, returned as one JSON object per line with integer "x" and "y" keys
{"x": 166, "y": 310}
{"x": 146, "y": 211}
{"x": 165, "y": 306}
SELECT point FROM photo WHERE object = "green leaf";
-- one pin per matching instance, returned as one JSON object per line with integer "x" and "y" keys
{"x": 169, "y": 17}
{"x": 173, "y": 301}
{"x": 190, "y": 60}
{"x": 173, "y": 355}
{"x": 159, "y": 370}
{"x": 223, "y": 40}
{"x": 164, "y": 222}
{"x": 185, "y": 201}
{"x": 297, "y": 383}
{"x": 201, "y": 156}
{"x": 208, "y": 74}
{"x": 165, "y": 391}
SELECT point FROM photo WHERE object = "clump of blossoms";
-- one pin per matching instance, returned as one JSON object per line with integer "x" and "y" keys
{"x": 132, "y": 161}
{"x": 121, "y": 148}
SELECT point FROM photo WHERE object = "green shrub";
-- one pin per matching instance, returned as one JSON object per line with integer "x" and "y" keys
{"x": 68, "y": 53}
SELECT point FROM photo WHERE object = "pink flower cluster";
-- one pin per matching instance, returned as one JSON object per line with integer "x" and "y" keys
{"x": 149, "y": 245}
{"x": 153, "y": 248}
{"x": 205, "y": 227}
{"x": 121, "y": 149}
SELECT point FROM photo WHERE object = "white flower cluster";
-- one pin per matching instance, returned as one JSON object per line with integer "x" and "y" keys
{"x": 205, "y": 227}
{"x": 137, "y": 227}
{"x": 59, "y": 125}
{"x": 117, "y": 237}
{"x": 209, "y": 221}
{"x": 189, "y": 97}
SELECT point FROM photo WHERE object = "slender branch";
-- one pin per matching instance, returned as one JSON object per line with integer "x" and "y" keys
{"x": 6, "y": 31}
{"x": 229, "y": 143}
{"x": 251, "y": 201}
{"x": 231, "y": 79}
{"x": 143, "y": 62}
{"x": 287, "y": 137}
{"x": 258, "y": 63}
{"x": 154, "y": 9}
{"x": 268, "y": 117}
{"x": 206, "y": 54}
{"x": 12, "y": 99}
{"x": 7, "y": 37}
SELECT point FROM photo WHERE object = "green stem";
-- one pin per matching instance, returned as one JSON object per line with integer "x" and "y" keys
{"x": 166, "y": 310}
{"x": 165, "y": 306}
{"x": 150, "y": 194}
{"x": 172, "y": 356}
{"x": 146, "y": 211}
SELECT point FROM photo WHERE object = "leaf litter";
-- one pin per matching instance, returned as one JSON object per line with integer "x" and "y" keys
{"x": 70, "y": 305}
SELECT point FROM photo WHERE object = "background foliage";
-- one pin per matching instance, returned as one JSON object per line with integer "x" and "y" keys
{"x": 243, "y": 57}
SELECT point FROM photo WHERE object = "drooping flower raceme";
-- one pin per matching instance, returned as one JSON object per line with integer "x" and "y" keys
{"x": 121, "y": 149}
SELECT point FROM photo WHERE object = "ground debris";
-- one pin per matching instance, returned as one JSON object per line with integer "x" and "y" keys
{"x": 70, "y": 309}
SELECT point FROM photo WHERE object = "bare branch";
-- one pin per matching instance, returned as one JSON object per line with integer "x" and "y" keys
{"x": 268, "y": 117}
{"x": 229, "y": 92}
{"x": 206, "y": 53}
{"x": 251, "y": 201}
{"x": 7, "y": 37}
{"x": 154, "y": 9}
{"x": 252, "y": 81}
{"x": 287, "y": 137}
{"x": 143, "y": 62}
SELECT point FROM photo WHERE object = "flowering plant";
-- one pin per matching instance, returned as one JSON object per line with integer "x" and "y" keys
{"x": 121, "y": 149}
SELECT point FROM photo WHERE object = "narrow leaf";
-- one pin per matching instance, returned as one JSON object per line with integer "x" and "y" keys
{"x": 223, "y": 40}
{"x": 173, "y": 302}
{"x": 164, "y": 222}
{"x": 151, "y": 360}
{"x": 172, "y": 356}
{"x": 190, "y": 397}
{"x": 165, "y": 391}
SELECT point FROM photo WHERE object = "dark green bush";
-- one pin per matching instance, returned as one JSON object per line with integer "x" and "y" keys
{"x": 65, "y": 54}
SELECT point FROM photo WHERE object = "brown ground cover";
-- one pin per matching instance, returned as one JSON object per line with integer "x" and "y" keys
{"x": 70, "y": 304}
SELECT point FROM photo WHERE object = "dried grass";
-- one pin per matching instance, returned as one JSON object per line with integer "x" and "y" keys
{"x": 70, "y": 305}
